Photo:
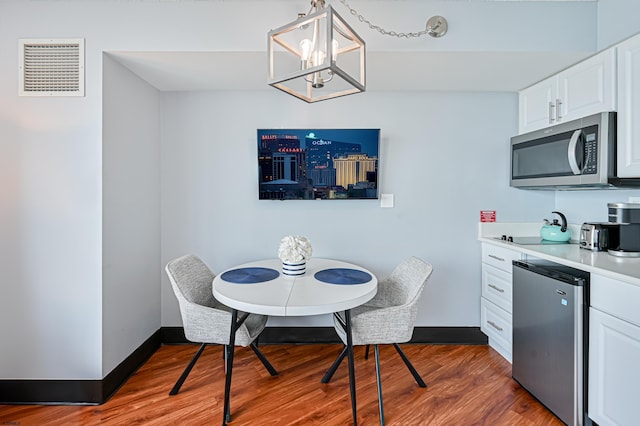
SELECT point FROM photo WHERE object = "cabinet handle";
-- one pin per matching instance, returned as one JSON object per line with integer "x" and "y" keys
{"x": 551, "y": 115}
{"x": 496, "y": 257}
{"x": 558, "y": 108}
{"x": 496, "y": 288}
{"x": 494, "y": 325}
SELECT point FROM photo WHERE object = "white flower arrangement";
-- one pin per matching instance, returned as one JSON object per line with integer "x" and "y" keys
{"x": 294, "y": 248}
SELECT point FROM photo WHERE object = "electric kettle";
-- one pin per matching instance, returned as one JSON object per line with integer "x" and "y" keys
{"x": 554, "y": 231}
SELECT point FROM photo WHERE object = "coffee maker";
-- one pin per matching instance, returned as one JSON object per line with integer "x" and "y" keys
{"x": 624, "y": 236}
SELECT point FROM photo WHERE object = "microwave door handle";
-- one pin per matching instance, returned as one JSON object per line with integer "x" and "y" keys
{"x": 571, "y": 152}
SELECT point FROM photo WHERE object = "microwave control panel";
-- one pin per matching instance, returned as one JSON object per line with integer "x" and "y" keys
{"x": 590, "y": 154}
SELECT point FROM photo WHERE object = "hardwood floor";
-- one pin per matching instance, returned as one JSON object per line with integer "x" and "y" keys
{"x": 467, "y": 385}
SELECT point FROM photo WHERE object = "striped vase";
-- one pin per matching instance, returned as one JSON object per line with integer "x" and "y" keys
{"x": 294, "y": 269}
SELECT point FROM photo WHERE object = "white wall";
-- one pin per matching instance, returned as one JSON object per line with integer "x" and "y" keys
{"x": 50, "y": 213}
{"x": 590, "y": 206}
{"x": 617, "y": 20}
{"x": 443, "y": 155}
{"x": 130, "y": 213}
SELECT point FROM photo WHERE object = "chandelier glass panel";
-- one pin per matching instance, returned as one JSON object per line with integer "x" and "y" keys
{"x": 317, "y": 57}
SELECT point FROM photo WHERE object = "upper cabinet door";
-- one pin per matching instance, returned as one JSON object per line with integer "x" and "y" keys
{"x": 536, "y": 105}
{"x": 629, "y": 108}
{"x": 586, "y": 88}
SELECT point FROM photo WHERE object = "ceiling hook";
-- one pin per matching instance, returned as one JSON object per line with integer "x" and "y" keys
{"x": 437, "y": 26}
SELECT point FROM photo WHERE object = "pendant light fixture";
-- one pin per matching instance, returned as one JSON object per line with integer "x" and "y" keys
{"x": 316, "y": 57}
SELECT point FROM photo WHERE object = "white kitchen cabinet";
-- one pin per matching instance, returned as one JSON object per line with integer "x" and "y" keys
{"x": 586, "y": 88}
{"x": 614, "y": 351}
{"x": 496, "y": 300}
{"x": 536, "y": 105}
{"x": 629, "y": 108}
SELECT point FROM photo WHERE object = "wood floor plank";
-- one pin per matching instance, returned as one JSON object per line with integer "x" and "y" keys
{"x": 466, "y": 385}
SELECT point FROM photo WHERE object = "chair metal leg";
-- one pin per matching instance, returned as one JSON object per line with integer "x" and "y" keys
{"x": 379, "y": 380}
{"x": 331, "y": 371}
{"x": 413, "y": 371}
{"x": 264, "y": 360}
{"x": 185, "y": 373}
{"x": 366, "y": 352}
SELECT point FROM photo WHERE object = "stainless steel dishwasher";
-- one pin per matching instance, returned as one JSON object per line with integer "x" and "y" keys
{"x": 550, "y": 307}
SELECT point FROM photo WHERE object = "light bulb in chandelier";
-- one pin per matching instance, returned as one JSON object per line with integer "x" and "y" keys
{"x": 313, "y": 58}
{"x": 305, "y": 52}
{"x": 334, "y": 49}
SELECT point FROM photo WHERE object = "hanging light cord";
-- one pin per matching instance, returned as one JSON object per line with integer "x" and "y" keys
{"x": 432, "y": 30}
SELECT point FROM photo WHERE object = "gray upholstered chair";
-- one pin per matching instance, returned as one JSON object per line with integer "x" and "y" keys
{"x": 388, "y": 318}
{"x": 205, "y": 320}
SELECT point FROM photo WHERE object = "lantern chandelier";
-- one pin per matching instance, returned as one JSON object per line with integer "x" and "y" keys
{"x": 319, "y": 56}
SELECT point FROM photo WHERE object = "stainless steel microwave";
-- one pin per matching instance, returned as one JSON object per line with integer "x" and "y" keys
{"x": 578, "y": 154}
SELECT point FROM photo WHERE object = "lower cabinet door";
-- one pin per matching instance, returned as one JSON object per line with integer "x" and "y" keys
{"x": 614, "y": 372}
{"x": 495, "y": 322}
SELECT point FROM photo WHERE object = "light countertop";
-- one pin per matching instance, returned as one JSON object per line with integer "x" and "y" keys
{"x": 600, "y": 263}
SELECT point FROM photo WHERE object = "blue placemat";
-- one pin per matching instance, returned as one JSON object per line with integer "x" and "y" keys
{"x": 250, "y": 275}
{"x": 342, "y": 276}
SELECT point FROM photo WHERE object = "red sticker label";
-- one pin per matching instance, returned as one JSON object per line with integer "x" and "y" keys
{"x": 487, "y": 215}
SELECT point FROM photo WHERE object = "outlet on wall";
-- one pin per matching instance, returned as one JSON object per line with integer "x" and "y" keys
{"x": 386, "y": 200}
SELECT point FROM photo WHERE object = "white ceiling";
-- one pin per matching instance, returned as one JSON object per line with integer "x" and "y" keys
{"x": 386, "y": 71}
{"x": 486, "y": 49}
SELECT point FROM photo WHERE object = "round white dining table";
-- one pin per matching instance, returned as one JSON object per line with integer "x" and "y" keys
{"x": 260, "y": 287}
